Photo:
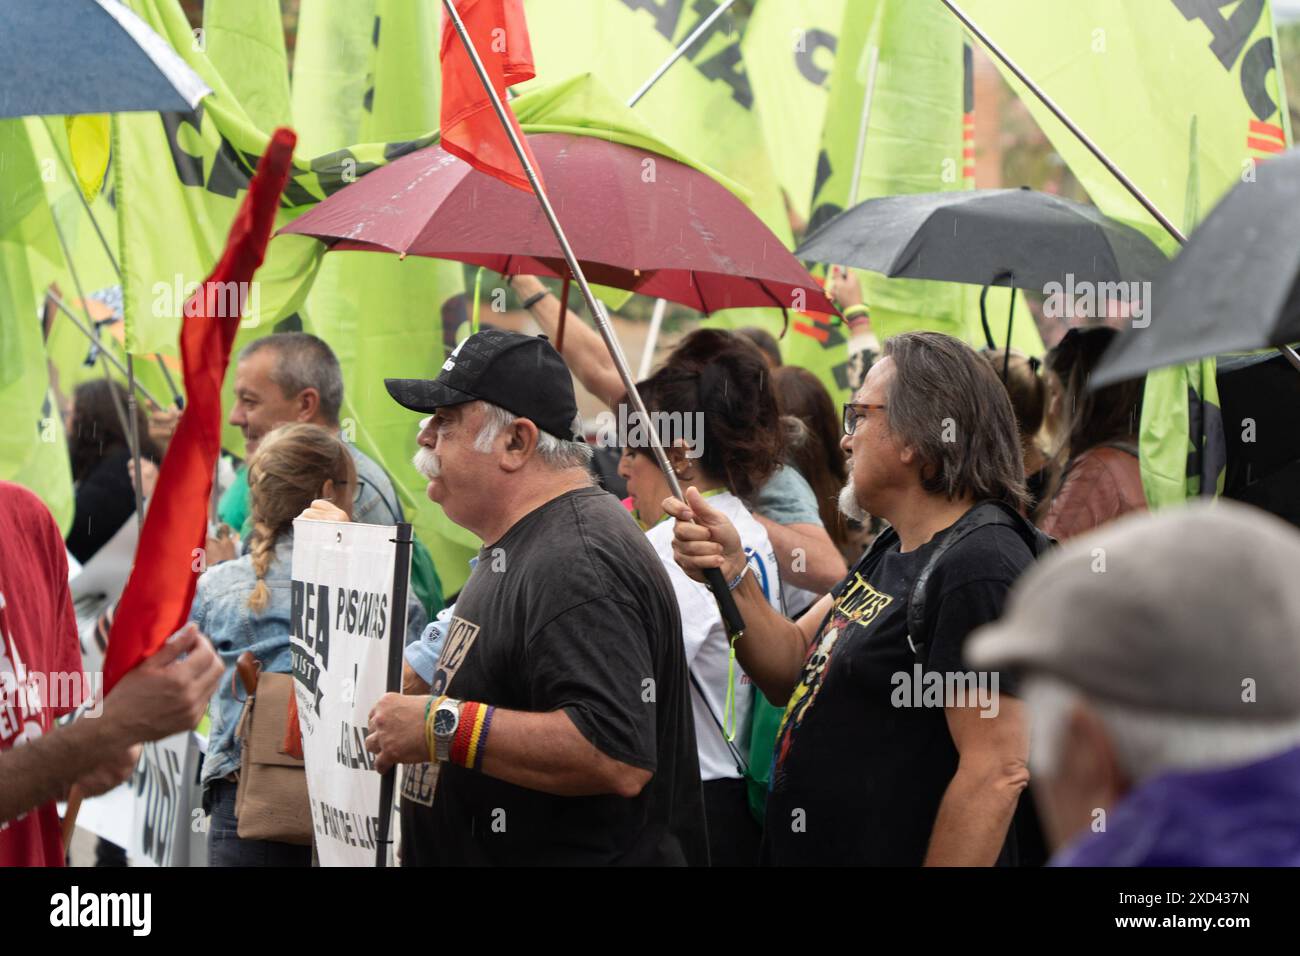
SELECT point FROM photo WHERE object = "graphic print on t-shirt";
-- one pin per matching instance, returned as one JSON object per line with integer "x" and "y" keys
{"x": 420, "y": 780}
{"x": 460, "y": 638}
{"x": 858, "y": 604}
{"x": 21, "y": 708}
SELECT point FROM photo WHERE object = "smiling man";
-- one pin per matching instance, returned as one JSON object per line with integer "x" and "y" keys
{"x": 295, "y": 377}
{"x": 558, "y": 714}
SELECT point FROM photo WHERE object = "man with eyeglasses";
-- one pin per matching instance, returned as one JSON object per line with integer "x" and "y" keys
{"x": 891, "y": 751}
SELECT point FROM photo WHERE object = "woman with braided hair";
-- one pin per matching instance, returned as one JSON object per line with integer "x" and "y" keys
{"x": 244, "y": 605}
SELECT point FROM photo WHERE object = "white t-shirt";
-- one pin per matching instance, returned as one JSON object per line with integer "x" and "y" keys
{"x": 706, "y": 641}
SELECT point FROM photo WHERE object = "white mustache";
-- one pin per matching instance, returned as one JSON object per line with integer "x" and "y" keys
{"x": 427, "y": 463}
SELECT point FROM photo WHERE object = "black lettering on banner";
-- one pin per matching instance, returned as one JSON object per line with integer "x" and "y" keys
{"x": 1230, "y": 33}
{"x": 703, "y": 10}
{"x": 232, "y": 170}
{"x": 321, "y": 611}
{"x": 296, "y": 611}
{"x": 348, "y": 827}
{"x": 338, "y": 169}
{"x": 351, "y": 751}
{"x": 189, "y": 168}
{"x": 1255, "y": 68}
{"x": 727, "y": 66}
{"x": 666, "y": 13}
{"x": 309, "y": 635}
{"x": 157, "y": 780}
{"x": 822, "y": 212}
{"x": 806, "y": 58}
{"x": 400, "y": 148}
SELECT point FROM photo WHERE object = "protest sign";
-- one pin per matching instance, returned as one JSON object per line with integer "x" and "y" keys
{"x": 348, "y": 598}
{"x": 157, "y": 815}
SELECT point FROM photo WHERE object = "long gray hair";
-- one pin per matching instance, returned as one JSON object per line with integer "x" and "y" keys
{"x": 947, "y": 403}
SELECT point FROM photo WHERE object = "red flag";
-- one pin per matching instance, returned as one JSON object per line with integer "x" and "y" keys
{"x": 470, "y": 128}
{"x": 158, "y": 594}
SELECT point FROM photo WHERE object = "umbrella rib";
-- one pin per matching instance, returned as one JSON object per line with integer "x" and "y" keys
{"x": 700, "y": 291}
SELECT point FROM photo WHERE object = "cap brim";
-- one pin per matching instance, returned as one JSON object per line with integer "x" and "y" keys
{"x": 1006, "y": 645}
{"x": 424, "y": 395}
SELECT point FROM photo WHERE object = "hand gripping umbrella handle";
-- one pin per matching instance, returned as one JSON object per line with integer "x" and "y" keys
{"x": 726, "y": 602}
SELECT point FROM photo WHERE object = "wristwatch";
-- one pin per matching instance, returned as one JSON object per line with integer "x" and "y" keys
{"x": 445, "y": 721}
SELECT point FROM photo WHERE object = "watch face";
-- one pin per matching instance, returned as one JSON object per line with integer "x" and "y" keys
{"x": 444, "y": 721}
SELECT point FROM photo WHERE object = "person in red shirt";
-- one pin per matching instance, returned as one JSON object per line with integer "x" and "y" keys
{"x": 41, "y": 679}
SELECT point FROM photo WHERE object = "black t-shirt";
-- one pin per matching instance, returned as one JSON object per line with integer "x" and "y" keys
{"x": 860, "y": 769}
{"x": 571, "y": 610}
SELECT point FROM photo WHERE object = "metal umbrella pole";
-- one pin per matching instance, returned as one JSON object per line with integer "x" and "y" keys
{"x": 726, "y": 603}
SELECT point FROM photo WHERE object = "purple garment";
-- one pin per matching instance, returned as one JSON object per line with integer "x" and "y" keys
{"x": 1247, "y": 815}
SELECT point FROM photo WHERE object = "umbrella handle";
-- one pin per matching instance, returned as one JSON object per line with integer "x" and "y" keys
{"x": 1006, "y": 352}
{"x": 726, "y": 602}
{"x": 984, "y": 317}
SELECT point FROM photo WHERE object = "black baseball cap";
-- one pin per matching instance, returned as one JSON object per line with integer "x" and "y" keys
{"x": 521, "y": 373}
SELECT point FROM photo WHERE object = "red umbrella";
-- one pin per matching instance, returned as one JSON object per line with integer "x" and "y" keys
{"x": 636, "y": 220}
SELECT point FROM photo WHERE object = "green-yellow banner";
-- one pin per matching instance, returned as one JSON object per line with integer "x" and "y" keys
{"x": 1185, "y": 96}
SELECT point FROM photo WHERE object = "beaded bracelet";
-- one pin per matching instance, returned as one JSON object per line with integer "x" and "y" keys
{"x": 470, "y": 742}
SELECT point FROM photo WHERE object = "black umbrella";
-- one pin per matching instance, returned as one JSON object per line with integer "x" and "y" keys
{"x": 88, "y": 56}
{"x": 1234, "y": 287}
{"x": 1012, "y": 237}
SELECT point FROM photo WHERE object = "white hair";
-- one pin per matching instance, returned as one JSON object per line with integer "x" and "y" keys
{"x": 555, "y": 453}
{"x": 1148, "y": 742}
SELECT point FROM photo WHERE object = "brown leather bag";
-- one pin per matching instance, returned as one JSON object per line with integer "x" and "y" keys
{"x": 271, "y": 799}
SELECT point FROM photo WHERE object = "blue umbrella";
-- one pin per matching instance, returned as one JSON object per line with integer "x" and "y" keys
{"x": 88, "y": 56}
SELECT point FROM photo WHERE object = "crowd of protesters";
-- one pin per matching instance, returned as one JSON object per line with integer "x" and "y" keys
{"x": 917, "y": 649}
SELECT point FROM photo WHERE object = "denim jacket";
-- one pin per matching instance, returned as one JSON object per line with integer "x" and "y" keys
{"x": 222, "y": 613}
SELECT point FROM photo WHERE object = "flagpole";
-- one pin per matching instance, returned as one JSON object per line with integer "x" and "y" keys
{"x": 726, "y": 603}
{"x": 1070, "y": 124}
{"x": 127, "y": 416}
{"x": 104, "y": 353}
{"x": 112, "y": 259}
{"x": 863, "y": 124}
{"x": 656, "y": 322}
{"x": 1291, "y": 355}
{"x": 677, "y": 54}
{"x": 133, "y": 424}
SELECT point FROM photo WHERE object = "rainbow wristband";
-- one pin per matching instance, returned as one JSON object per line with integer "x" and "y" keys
{"x": 470, "y": 742}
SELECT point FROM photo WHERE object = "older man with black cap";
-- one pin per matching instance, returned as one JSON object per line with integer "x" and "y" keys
{"x": 1161, "y": 657}
{"x": 558, "y": 714}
